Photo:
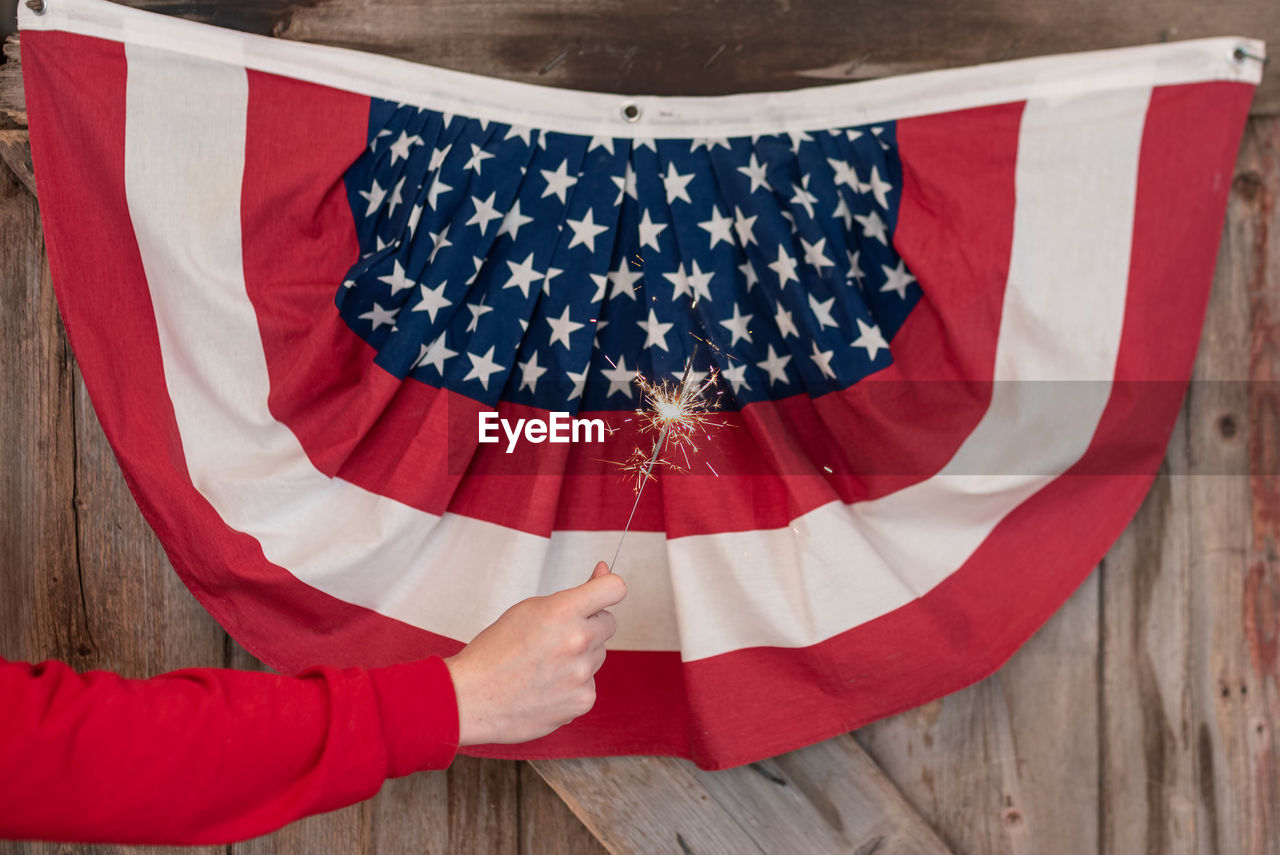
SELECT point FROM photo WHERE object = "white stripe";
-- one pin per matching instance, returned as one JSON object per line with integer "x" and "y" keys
{"x": 833, "y": 569}
{"x": 582, "y": 112}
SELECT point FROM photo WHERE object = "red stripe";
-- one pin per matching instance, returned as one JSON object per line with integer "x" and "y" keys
{"x": 970, "y": 624}
{"x": 75, "y": 89}
{"x": 412, "y": 442}
{"x": 956, "y": 634}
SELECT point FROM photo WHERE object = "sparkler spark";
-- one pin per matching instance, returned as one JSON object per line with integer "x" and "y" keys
{"x": 677, "y": 415}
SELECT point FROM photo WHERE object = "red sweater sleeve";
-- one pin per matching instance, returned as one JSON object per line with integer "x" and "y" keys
{"x": 209, "y": 755}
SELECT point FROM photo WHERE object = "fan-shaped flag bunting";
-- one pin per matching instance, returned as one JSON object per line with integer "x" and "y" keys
{"x": 363, "y": 335}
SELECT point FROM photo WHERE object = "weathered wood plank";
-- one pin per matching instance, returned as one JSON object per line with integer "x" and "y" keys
{"x": 15, "y": 153}
{"x": 13, "y": 103}
{"x": 829, "y": 797}
{"x": 1009, "y": 765}
{"x": 547, "y": 826}
{"x": 1234, "y": 521}
{"x": 1147, "y": 767}
{"x": 646, "y": 49}
{"x": 37, "y": 529}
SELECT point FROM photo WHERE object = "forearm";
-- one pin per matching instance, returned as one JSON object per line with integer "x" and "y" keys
{"x": 208, "y": 755}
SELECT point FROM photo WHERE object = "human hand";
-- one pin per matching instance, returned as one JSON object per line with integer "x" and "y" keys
{"x": 533, "y": 669}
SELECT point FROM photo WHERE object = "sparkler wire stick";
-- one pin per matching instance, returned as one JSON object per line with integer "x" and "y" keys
{"x": 653, "y": 459}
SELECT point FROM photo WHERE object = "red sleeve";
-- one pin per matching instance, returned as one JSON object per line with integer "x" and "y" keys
{"x": 208, "y": 755}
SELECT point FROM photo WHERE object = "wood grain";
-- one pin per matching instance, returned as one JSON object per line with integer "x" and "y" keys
{"x": 1009, "y": 765}
{"x": 704, "y": 49}
{"x": 545, "y": 820}
{"x": 829, "y": 797}
{"x": 1234, "y": 524}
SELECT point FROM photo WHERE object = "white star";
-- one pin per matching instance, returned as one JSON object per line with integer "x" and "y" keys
{"x": 784, "y": 266}
{"x": 626, "y": 184}
{"x": 877, "y": 131}
{"x": 380, "y": 316}
{"x": 415, "y": 213}
{"x": 822, "y": 311}
{"x": 842, "y": 212}
{"x": 478, "y": 310}
{"x": 801, "y": 196}
{"x": 735, "y": 374}
{"x": 400, "y": 148}
{"x": 749, "y": 273}
{"x": 438, "y": 155}
{"x": 756, "y": 173}
{"x": 709, "y": 143}
{"x": 879, "y": 188}
{"x": 559, "y": 181}
{"x": 552, "y": 273}
{"x": 397, "y": 280}
{"x": 737, "y": 326}
{"x": 602, "y": 282}
{"x": 433, "y": 194}
{"x": 623, "y": 280}
{"x": 870, "y": 339}
{"x": 897, "y": 279}
{"x": 718, "y": 226}
{"x": 477, "y": 158}
{"x": 601, "y": 142}
{"x": 816, "y": 255}
{"x": 374, "y": 195}
{"x": 562, "y": 327}
{"x": 676, "y": 184}
{"x": 585, "y": 231}
{"x": 643, "y": 142}
{"x": 482, "y": 367}
{"x": 745, "y": 227}
{"x": 485, "y": 213}
{"x": 798, "y": 137}
{"x": 822, "y": 359}
{"x": 694, "y": 284}
{"x": 855, "y": 267}
{"x": 655, "y": 331}
{"x": 845, "y": 174}
{"x": 518, "y": 131}
{"x": 784, "y": 323}
{"x": 695, "y": 377}
{"x": 649, "y": 231}
{"x": 432, "y": 301}
{"x": 395, "y": 197}
{"x": 530, "y": 371}
{"x": 512, "y": 222}
{"x": 776, "y": 366}
{"x": 373, "y": 143}
{"x": 699, "y": 282}
{"x": 439, "y": 242}
{"x": 578, "y": 380}
{"x": 522, "y": 275}
{"x": 873, "y": 227}
{"x": 434, "y": 355}
{"x": 619, "y": 377}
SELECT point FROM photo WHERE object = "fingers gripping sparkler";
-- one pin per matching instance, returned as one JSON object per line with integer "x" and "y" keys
{"x": 676, "y": 414}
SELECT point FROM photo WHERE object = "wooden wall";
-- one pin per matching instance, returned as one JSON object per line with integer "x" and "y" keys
{"x": 1143, "y": 718}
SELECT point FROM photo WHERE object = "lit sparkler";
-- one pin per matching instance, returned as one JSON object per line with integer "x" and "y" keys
{"x": 677, "y": 415}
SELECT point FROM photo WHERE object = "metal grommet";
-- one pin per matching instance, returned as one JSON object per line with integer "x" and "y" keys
{"x": 1240, "y": 54}
{"x": 631, "y": 111}
{"x": 37, "y": 6}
